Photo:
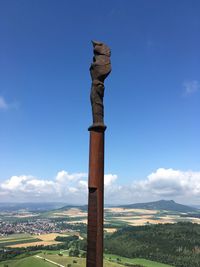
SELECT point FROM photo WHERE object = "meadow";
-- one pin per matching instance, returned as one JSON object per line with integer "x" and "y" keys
{"x": 26, "y": 262}
{"x": 143, "y": 262}
{"x": 109, "y": 261}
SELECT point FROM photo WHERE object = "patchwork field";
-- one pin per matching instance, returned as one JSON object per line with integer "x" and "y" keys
{"x": 50, "y": 237}
{"x": 36, "y": 243}
{"x": 23, "y": 215}
{"x": 15, "y": 236}
{"x": 70, "y": 221}
{"x": 114, "y": 218}
{"x": 51, "y": 259}
{"x": 130, "y": 211}
{"x": 126, "y": 216}
{"x": 19, "y": 242}
{"x": 143, "y": 216}
{"x": 72, "y": 212}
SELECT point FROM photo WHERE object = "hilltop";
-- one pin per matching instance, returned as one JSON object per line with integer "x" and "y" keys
{"x": 168, "y": 205}
{"x": 80, "y": 207}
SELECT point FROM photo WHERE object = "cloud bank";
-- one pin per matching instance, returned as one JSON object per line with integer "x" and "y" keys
{"x": 182, "y": 186}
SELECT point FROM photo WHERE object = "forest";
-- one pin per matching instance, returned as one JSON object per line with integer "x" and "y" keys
{"x": 175, "y": 244}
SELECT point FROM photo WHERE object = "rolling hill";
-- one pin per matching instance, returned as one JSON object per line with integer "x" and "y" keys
{"x": 168, "y": 205}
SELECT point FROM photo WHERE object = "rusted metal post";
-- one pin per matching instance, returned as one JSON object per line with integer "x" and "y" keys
{"x": 96, "y": 198}
{"x": 99, "y": 70}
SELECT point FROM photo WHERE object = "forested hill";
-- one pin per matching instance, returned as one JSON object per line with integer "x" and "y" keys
{"x": 168, "y": 205}
{"x": 174, "y": 244}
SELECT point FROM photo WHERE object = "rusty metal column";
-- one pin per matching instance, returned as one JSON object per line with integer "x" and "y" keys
{"x": 99, "y": 70}
{"x": 96, "y": 198}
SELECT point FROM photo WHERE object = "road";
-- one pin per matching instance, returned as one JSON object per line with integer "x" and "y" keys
{"x": 53, "y": 262}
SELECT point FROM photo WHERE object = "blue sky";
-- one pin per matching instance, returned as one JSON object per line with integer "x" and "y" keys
{"x": 151, "y": 100}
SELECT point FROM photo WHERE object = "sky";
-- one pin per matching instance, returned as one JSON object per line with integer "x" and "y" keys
{"x": 151, "y": 99}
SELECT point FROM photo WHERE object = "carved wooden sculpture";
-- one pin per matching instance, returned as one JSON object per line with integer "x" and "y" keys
{"x": 99, "y": 70}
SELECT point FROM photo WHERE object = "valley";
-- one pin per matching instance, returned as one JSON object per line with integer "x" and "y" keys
{"x": 59, "y": 235}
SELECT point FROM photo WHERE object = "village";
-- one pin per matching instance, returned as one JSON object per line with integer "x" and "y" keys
{"x": 33, "y": 227}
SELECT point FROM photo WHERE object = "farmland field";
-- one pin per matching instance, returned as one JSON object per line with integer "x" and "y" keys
{"x": 18, "y": 239}
{"x": 116, "y": 216}
{"x": 31, "y": 244}
{"x": 143, "y": 262}
{"x": 27, "y": 262}
{"x": 135, "y": 217}
{"x": 45, "y": 240}
{"x": 74, "y": 261}
{"x": 16, "y": 236}
{"x": 122, "y": 216}
{"x": 34, "y": 261}
{"x": 26, "y": 240}
{"x": 50, "y": 237}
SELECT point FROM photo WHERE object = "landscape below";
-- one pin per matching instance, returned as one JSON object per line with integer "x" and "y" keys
{"x": 155, "y": 234}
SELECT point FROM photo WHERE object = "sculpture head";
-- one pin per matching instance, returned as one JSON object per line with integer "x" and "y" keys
{"x": 101, "y": 49}
{"x": 101, "y": 66}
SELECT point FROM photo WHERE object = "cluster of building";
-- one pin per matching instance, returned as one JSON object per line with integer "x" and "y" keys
{"x": 35, "y": 227}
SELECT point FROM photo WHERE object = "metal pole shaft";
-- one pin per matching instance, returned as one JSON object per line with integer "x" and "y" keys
{"x": 96, "y": 198}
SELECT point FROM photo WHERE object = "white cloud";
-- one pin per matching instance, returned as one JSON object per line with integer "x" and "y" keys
{"x": 71, "y": 188}
{"x": 83, "y": 184}
{"x": 15, "y": 182}
{"x": 63, "y": 176}
{"x": 3, "y": 104}
{"x": 109, "y": 179}
{"x": 182, "y": 186}
{"x": 191, "y": 87}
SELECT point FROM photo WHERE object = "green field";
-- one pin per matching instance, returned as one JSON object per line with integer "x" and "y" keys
{"x": 34, "y": 261}
{"x": 143, "y": 262}
{"x": 64, "y": 260}
{"x": 16, "y": 236}
{"x": 10, "y": 242}
{"x": 27, "y": 262}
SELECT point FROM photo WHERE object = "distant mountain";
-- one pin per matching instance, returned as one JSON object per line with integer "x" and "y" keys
{"x": 196, "y": 206}
{"x": 32, "y": 207}
{"x": 169, "y": 205}
{"x": 67, "y": 207}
